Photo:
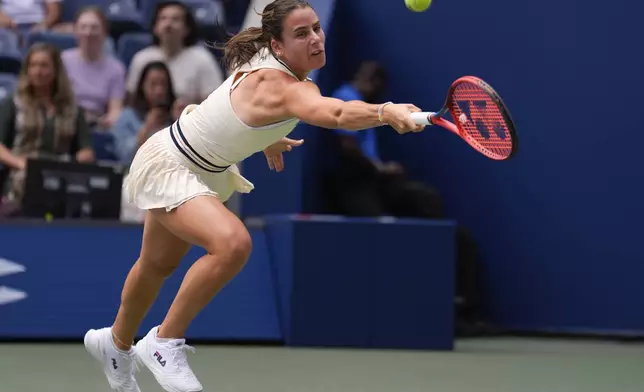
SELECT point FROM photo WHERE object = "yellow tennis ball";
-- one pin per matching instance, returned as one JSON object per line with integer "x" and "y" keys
{"x": 418, "y": 5}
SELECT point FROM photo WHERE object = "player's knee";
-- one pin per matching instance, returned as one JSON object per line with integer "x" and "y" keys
{"x": 232, "y": 246}
{"x": 238, "y": 246}
{"x": 241, "y": 246}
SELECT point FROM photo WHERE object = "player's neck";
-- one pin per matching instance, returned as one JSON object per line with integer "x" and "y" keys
{"x": 301, "y": 75}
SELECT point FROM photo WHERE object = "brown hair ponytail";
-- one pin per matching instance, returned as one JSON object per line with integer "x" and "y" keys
{"x": 241, "y": 48}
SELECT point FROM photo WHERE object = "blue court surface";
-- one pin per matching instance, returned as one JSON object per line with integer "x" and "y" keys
{"x": 477, "y": 365}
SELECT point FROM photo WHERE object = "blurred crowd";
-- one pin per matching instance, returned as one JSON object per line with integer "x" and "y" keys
{"x": 90, "y": 80}
{"x": 95, "y": 85}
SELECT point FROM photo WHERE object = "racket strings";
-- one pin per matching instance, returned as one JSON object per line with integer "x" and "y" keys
{"x": 479, "y": 117}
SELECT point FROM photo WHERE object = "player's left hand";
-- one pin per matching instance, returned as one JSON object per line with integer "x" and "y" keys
{"x": 274, "y": 152}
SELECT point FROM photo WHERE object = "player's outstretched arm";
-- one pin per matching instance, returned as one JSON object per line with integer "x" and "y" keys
{"x": 304, "y": 101}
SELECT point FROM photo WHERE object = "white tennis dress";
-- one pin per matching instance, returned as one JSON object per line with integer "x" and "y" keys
{"x": 197, "y": 155}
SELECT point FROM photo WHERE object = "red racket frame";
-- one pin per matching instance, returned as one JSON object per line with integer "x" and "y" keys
{"x": 457, "y": 127}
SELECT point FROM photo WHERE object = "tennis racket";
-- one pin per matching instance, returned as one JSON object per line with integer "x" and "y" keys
{"x": 480, "y": 118}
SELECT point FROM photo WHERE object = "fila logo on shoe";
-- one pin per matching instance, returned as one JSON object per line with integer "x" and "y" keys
{"x": 159, "y": 358}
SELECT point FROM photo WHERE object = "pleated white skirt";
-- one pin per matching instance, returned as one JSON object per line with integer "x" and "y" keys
{"x": 161, "y": 177}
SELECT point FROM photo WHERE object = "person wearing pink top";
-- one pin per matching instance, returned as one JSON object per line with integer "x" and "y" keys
{"x": 97, "y": 78}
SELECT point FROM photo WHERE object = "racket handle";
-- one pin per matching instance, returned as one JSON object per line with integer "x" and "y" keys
{"x": 422, "y": 118}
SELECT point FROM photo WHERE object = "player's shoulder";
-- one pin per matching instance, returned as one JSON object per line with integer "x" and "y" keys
{"x": 306, "y": 85}
{"x": 274, "y": 79}
{"x": 284, "y": 79}
{"x": 274, "y": 74}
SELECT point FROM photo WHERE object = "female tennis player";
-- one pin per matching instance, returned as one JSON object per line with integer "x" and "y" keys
{"x": 182, "y": 175}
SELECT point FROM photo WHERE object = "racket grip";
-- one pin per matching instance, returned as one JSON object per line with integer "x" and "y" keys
{"x": 422, "y": 118}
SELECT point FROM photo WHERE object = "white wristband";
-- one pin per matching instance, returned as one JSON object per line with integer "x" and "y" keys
{"x": 381, "y": 109}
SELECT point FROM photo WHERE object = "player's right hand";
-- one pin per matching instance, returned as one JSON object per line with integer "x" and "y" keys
{"x": 399, "y": 117}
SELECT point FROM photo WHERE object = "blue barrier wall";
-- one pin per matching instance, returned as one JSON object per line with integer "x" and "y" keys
{"x": 74, "y": 276}
{"x": 559, "y": 226}
{"x": 309, "y": 282}
{"x": 363, "y": 283}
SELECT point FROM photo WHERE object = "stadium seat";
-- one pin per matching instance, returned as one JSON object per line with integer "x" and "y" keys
{"x": 8, "y": 41}
{"x": 235, "y": 12}
{"x": 147, "y": 8}
{"x": 110, "y": 46}
{"x": 63, "y": 41}
{"x": 129, "y": 44}
{"x": 103, "y": 144}
{"x": 10, "y": 62}
{"x": 207, "y": 12}
{"x": 7, "y": 84}
{"x": 71, "y": 7}
{"x": 210, "y": 19}
{"x": 124, "y": 17}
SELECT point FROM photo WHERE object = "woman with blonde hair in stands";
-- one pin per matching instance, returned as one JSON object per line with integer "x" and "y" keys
{"x": 183, "y": 174}
{"x": 41, "y": 118}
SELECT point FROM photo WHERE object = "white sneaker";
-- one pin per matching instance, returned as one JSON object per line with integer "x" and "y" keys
{"x": 166, "y": 359}
{"x": 118, "y": 366}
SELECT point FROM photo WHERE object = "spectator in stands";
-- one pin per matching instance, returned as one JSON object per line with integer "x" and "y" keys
{"x": 97, "y": 78}
{"x": 41, "y": 118}
{"x": 194, "y": 71}
{"x": 23, "y": 16}
{"x": 151, "y": 108}
{"x": 360, "y": 183}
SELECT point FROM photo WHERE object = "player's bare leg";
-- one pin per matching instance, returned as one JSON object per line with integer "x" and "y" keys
{"x": 206, "y": 222}
{"x": 160, "y": 254}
